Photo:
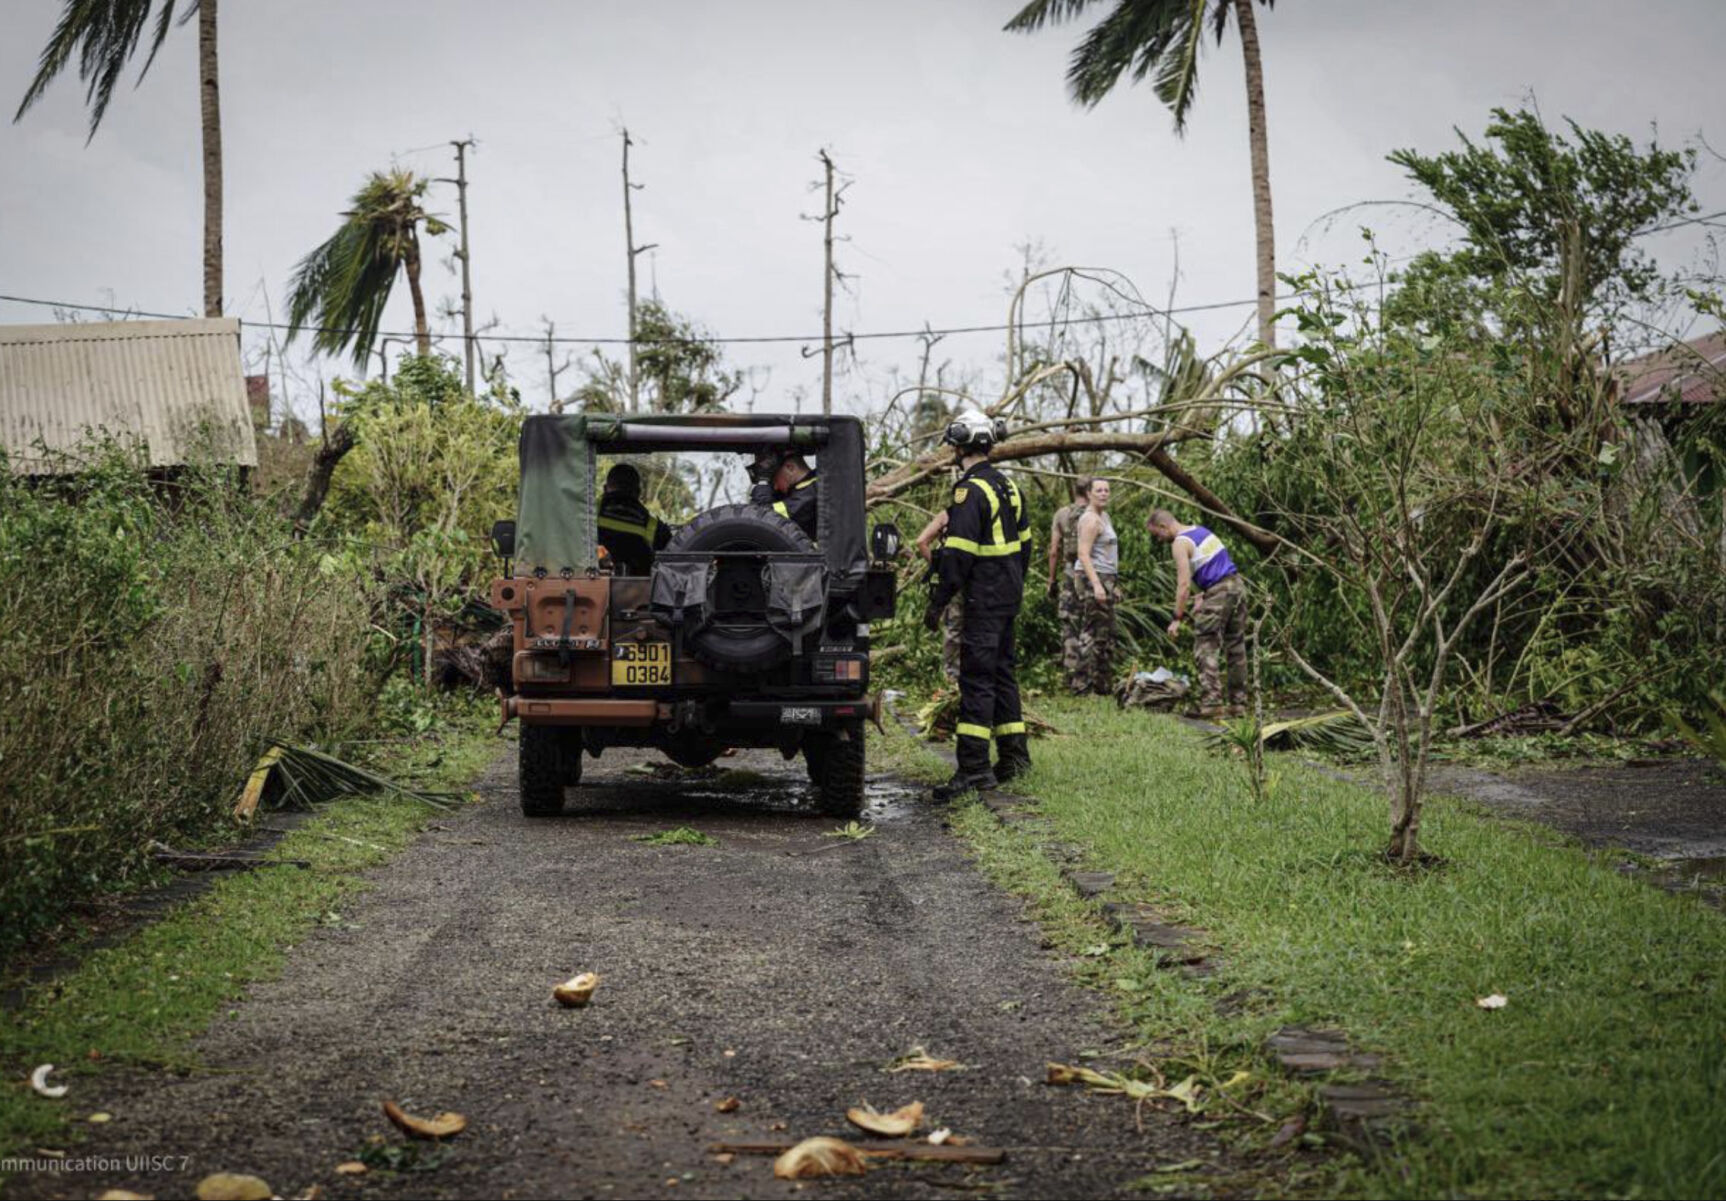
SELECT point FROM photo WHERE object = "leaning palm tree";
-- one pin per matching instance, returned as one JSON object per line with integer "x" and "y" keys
{"x": 104, "y": 33}
{"x": 1162, "y": 38}
{"x": 341, "y": 288}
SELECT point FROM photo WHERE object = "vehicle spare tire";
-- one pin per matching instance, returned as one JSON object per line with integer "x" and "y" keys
{"x": 736, "y": 636}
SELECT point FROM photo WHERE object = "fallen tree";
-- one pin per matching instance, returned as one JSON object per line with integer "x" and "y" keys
{"x": 1066, "y": 435}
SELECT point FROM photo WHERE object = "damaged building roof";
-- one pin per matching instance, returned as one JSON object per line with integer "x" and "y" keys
{"x": 1692, "y": 372}
{"x": 173, "y": 390}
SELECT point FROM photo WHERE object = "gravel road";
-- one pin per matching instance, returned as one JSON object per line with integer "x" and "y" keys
{"x": 780, "y": 967}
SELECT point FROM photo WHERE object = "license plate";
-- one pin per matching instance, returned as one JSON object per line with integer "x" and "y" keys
{"x": 638, "y": 664}
{"x": 799, "y": 715}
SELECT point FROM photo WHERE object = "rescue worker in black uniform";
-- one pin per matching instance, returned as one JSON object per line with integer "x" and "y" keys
{"x": 628, "y": 532}
{"x": 795, "y": 494}
{"x": 987, "y": 550}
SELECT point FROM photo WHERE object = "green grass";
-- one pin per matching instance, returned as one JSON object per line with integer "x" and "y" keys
{"x": 140, "y": 1002}
{"x": 896, "y": 750}
{"x": 681, "y": 836}
{"x": 1604, "y": 1076}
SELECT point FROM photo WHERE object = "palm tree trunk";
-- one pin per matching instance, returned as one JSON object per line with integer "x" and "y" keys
{"x": 422, "y": 335}
{"x": 1267, "y": 265}
{"x": 210, "y": 102}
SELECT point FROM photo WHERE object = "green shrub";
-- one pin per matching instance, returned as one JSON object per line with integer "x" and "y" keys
{"x": 153, "y": 638}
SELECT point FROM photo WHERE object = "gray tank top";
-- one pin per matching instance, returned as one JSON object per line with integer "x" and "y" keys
{"x": 1105, "y": 551}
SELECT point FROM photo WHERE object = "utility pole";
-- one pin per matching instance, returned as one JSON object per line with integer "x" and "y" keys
{"x": 633, "y": 249}
{"x": 460, "y": 182}
{"x": 835, "y": 185}
{"x": 828, "y": 212}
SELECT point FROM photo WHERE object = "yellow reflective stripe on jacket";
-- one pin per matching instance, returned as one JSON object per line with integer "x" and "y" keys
{"x": 1000, "y": 545}
{"x": 988, "y": 492}
{"x": 983, "y": 550}
{"x": 619, "y": 526}
{"x": 966, "y": 730}
{"x": 808, "y": 481}
{"x": 1009, "y": 727}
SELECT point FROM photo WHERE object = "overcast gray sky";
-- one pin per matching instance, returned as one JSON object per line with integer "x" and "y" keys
{"x": 960, "y": 138}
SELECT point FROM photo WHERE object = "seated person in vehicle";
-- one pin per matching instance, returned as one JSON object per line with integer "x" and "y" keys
{"x": 627, "y": 531}
{"x": 795, "y": 494}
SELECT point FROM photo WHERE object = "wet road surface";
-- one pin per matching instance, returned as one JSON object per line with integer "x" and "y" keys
{"x": 781, "y": 967}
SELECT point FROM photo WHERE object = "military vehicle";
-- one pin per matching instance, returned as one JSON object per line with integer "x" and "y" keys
{"x": 743, "y": 633}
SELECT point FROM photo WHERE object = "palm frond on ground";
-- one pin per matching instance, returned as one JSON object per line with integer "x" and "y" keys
{"x": 1337, "y": 733}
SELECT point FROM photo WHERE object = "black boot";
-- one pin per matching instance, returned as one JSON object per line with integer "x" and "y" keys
{"x": 961, "y": 783}
{"x": 972, "y": 773}
{"x": 1015, "y": 758}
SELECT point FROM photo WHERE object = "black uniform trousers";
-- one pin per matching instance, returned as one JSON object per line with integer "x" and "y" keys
{"x": 988, "y": 687}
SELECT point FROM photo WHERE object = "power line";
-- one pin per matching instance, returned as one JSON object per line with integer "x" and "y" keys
{"x": 782, "y": 339}
{"x": 540, "y": 339}
{"x": 1704, "y": 219}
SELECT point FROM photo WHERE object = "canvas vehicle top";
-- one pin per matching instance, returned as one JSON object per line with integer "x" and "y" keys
{"x": 742, "y": 631}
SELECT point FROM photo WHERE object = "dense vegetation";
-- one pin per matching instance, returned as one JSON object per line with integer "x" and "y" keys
{"x": 153, "y": 640}
{"x": 156, "y": 636}
{"x": 1445, "y": 510}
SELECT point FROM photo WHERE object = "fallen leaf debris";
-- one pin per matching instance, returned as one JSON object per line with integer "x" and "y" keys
{"x": 897, "y": 1124}
{"x": 445, "y": 1125}
{"x": 817, "y": 1157}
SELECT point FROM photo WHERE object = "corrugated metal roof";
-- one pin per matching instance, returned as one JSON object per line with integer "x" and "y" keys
{"x": 176, "y": 388}
{"x": 1691, "y": 372}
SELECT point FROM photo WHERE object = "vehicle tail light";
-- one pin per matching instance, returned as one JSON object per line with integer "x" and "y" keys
{"x": 541, "y": 668}
{"x": 843, "y": 669}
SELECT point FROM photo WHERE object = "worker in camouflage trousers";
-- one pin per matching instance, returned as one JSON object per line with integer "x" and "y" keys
{"x": 983, "y": 562}
{"x": 1202, "y": 562}
{"x": 1098, "y": 565}
{"x": 1064, "y": 583}
{"x": 953, "y": 616}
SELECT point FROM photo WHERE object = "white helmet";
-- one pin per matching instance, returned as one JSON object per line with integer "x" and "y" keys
{"x": 975, "y": 430}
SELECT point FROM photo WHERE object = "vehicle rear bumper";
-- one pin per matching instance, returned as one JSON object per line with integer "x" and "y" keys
{"x": 566, "y": 711}
{"x": 718, "y": 715}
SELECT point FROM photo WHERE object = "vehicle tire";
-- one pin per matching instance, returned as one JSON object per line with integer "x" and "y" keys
{"x": 737, "y": 637}
{"x": 541, "y": 771}
{"x": 569, "y": 755}
{"x": 836, "y": 766}
{"x": 815, "y": 757}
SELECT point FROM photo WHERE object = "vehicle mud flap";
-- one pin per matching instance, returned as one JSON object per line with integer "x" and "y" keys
{"x": 796, "y": 599}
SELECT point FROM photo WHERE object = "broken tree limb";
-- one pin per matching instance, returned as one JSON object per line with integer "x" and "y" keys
{"x": 339, "y": 442}
{"x": 1600, "y": 706}
{"x": 902, "y": 1150}
{"x": 1541, "y": 716}
{"x": 199, "y": 861}
{"x": 1035, "y": 446}
{"x": 1262, "y": 541}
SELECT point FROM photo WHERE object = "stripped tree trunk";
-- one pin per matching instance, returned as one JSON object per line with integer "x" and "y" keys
{"x": 1261, "y": 165}
{"x": 210, "y": 103}
{"x": 422, "y": 333}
